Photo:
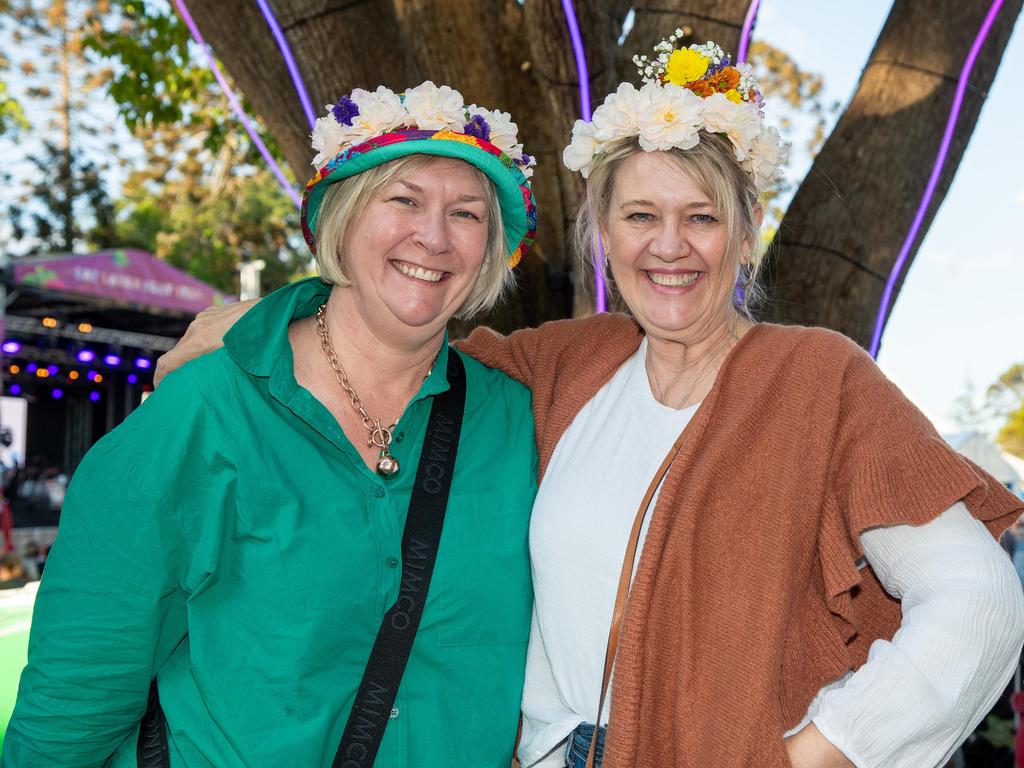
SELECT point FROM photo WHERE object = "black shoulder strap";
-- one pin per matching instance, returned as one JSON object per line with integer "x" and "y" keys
{"x": 379, "y": 687}
{"x": 371, "y": 709}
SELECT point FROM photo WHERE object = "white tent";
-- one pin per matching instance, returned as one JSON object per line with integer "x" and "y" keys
{"x": 979, "y": 449}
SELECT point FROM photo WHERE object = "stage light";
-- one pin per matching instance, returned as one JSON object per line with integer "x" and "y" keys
{"x": 111, "y": 359}
{"x": 53, "y": 370}
{"x": 98, "y": 378}
{"x": 84, "y": 328}
{"x": 31, "y": 367}
{"x": 144, "y": 363}
{"x": 57, "y": 394}
{"x": 15, "y": 369}
{"x": 42, "y": 373}
{"x": 91, "y": 375}
{"x": 94, "y": 396}
{"x": 11, "y": 347}
{"x": 14, "y": 389}
{"x": 73, "y": 375}
{"x": 133, "y": 379}
{"x": 85, "y": 356}
{"x": 50, "y": 322}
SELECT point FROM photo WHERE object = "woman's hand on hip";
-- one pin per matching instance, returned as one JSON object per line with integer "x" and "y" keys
{"x": 809, "y": 749}
{"x": 204, "y": 334}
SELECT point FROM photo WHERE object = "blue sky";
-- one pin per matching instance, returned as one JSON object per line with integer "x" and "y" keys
{"x": 960, "y": 315}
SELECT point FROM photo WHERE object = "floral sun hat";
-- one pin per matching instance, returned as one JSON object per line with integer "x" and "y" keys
{"x": 366, "y": 129}
{"x": 685, "y": 90}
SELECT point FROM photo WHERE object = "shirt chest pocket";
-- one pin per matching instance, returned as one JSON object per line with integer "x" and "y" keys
{"x": 482, "y": 576}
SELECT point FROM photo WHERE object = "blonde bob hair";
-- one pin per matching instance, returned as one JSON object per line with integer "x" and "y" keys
{"x": 712, "y": 165}
{"x": 345, "y": 202}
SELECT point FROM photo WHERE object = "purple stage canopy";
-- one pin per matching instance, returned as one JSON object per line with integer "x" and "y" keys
{"x": 123, "y": 275}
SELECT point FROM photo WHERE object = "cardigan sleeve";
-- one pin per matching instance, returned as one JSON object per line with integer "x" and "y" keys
{"x": 515, "y": 354}
{"x": 890, "y": 466}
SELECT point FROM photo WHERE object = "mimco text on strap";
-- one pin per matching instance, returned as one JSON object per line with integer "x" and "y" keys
{"x": 379, "y": 687}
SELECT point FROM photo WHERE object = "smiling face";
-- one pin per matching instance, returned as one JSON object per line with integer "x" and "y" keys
{"x": 417, "y": 248}
{"x": 670, "y": 249}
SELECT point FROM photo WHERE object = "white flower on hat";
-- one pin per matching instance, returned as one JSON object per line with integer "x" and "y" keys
{"x": 326, "y": 139}
{"x": 671, "y": 117}
{"x": 619, "y": 115}
{"x": 380, "y": 111}
{"x": 504, "y": 132}
{"x": 768, "y": 153}
{"x": 740, "y": 122}
{"x": 579, "y": 155}
{"x": 432, "y": 108}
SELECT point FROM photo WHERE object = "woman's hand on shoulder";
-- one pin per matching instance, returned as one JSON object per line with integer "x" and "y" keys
{"x": 809, "y": 749}
{"x": 205, "y": 334}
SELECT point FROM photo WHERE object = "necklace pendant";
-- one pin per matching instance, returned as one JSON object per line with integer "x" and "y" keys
{"x": 387, "y": 465}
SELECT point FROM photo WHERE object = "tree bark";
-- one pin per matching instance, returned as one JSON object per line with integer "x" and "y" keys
{"x": 841, "y": 236}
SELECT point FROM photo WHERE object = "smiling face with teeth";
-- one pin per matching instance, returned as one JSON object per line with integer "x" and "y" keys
{"x": 414, "y": 254}
{"x": 669, "y": 249}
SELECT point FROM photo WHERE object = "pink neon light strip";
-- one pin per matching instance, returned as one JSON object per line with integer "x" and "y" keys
{"x": 933, "y": 181}
{"x": 747, "y": 31}
{"x": 236, "y": 105}
{"x": 289, "y": 60}
{"x": 584, "y": 81}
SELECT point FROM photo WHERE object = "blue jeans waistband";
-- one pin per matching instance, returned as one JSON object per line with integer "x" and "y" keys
{"x": 579, "y": 746}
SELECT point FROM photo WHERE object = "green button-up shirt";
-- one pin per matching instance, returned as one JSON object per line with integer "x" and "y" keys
{"x": 228, "y": 539}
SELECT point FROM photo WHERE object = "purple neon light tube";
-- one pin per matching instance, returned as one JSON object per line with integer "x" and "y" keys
{"x": 584, "y": 80}
{"x": 933, "y": 181}
{"x": 747, "y": 31}
{"x": 236, "y": 104}
{"x": 293, "y": 69}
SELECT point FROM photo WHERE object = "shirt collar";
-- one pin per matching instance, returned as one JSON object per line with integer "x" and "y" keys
{"x": 258, "y": 342}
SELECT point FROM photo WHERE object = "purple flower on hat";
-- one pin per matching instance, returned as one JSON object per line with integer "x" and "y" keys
{"x": 524, "y": 161}
{"x": 345, "y": 110}
{"x": 478, "y": 127}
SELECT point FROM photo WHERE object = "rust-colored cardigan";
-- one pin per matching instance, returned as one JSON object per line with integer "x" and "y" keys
{"x": 747, "y": 598}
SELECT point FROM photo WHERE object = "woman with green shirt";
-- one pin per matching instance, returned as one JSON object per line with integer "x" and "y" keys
{"x": 239, "y": 537}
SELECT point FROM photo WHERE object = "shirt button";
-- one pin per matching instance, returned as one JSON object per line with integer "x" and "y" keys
{"x": 394, "y": 713}
{"x": 379, "y": 492}
{"x": 400, "y": 437}
{"x": 392, "y": 562}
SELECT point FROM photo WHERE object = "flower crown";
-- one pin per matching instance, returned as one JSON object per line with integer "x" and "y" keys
{"x": 363, "y": 115}
{"x": 685, "y": 91}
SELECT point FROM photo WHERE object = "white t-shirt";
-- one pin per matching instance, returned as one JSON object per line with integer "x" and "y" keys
{"x": 582, "y": 517}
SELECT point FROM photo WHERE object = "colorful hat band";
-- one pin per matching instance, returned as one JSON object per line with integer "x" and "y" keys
{"x": 515, "y": 198}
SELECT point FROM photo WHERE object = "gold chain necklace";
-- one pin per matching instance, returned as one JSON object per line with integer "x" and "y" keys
{"x": 379, "y": 435}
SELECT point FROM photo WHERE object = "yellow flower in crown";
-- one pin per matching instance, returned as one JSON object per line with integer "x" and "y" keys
{"x": 685, "y": 66}
{"x": 734, "y": 96}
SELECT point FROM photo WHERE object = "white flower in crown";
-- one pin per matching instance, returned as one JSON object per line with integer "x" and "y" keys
{"x": 619, "y": 115}
{"x": 326, "y": 139}
{"x": 380, "y": 111}
{"x": 432, "y": 108}
{"x": 504, "y": 132}
{"x": 579, "y": 155}
{"x": 767, "y": 154}
{"x": 526, "y": 167}
{"x": 740, "y": 122}
{"x": 671, "y": 117}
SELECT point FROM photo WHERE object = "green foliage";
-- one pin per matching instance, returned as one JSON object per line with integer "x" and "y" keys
{"x": 12, "y": 116}
{"x": 1005, "y": 399}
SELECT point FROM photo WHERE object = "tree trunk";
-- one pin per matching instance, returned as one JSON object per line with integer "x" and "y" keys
{"x": 843, "y": 231}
